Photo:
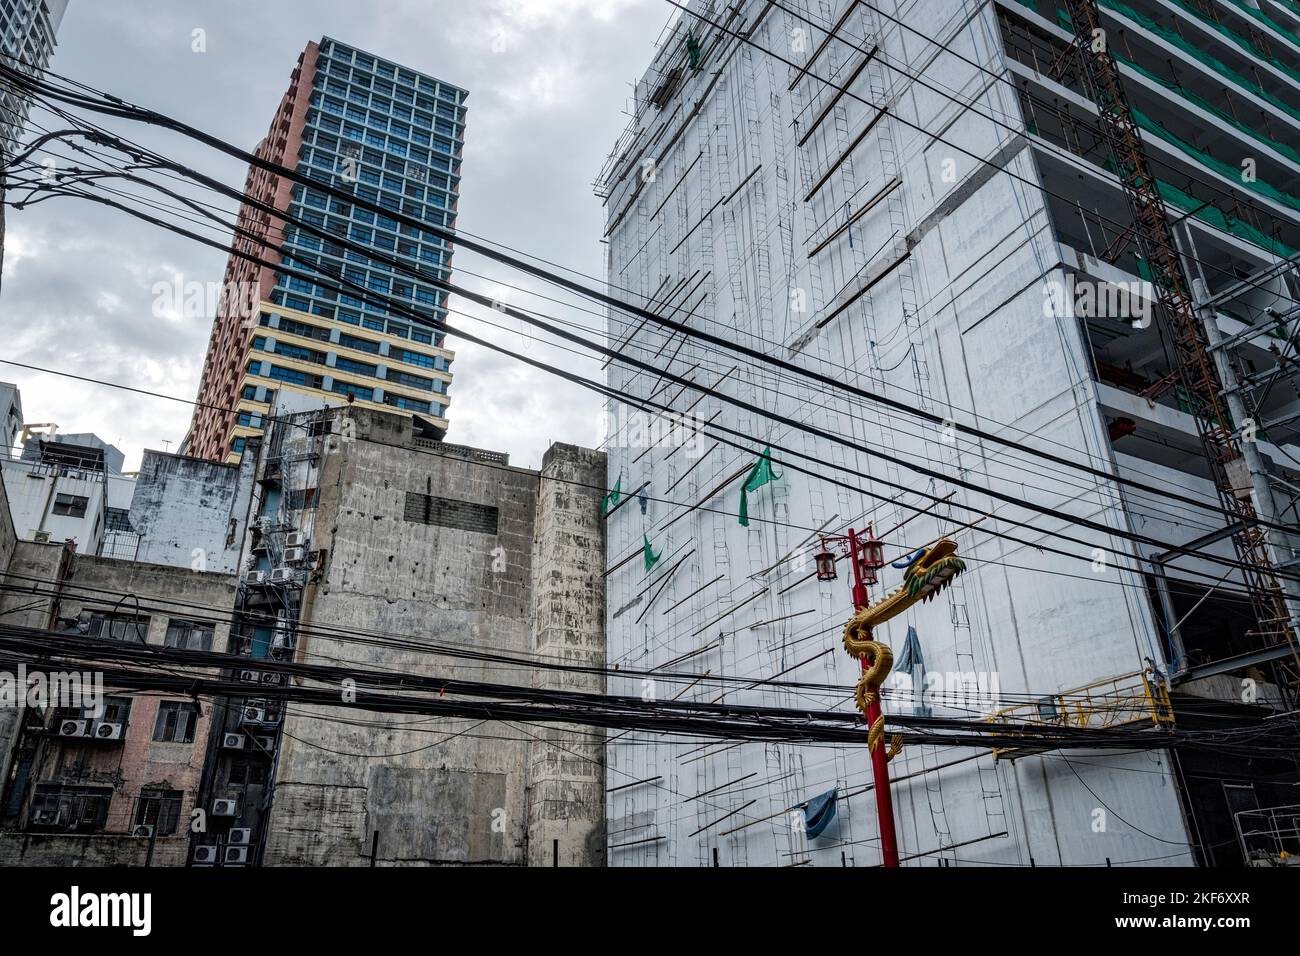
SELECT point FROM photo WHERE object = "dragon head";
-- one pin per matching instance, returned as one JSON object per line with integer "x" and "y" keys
{"x": 939, "y": 560}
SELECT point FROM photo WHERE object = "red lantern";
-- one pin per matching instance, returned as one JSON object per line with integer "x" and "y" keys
{"x": 872, "y": 556}
{"x": 825, "y": 565}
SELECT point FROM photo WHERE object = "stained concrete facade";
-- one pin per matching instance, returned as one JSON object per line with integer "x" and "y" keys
{"x": 566, "y": 804}
{"x": 418, "y": 547}
{"x": 190, "y": 512}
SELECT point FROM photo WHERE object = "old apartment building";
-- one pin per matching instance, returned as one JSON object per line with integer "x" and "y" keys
{"x": 361, "y": 543}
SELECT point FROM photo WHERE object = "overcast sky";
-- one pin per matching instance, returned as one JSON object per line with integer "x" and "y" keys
{"x": 549, "y": 83}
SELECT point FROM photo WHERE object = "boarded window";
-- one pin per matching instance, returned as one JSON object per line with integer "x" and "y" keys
{"x": 450, "y": 513}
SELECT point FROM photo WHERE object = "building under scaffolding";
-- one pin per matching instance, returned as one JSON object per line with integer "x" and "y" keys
{"x": 918, "y": 200}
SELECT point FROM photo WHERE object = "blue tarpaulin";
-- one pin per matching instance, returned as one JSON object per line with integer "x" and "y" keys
{"x": 819, "y": 811}
{"x": 911, "y": 661}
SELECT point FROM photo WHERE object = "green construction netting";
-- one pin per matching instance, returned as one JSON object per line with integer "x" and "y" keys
{"x": 1215, "y": 217}
{"x": 1264, "y": 18}
{"x": 1285, "y": 149}
{"x": 1173, "y": 38}
{"x": 1291, "y": 5}
{"x": 1172, "y": 194}
{"x": 1232, "y": 172}
{"x": 1246, "y": 45}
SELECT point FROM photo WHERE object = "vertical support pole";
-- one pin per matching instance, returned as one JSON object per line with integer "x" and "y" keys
{"x": 880, "y": 755}
{"x": 1179, "y": 652}
{"x": 1261, "y": 493}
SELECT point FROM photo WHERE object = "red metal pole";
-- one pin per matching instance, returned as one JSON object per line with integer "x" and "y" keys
{"x": 879, "y": 756}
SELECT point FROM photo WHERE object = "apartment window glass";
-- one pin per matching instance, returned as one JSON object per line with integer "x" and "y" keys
{"x": 175, "y": 722}
{"x": 74, "y": 506}
{"x": 116, "y": 627}
{"x": 189, "y": 635}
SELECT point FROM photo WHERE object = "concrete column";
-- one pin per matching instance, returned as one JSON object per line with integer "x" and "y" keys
{"x": 566, "y": 765}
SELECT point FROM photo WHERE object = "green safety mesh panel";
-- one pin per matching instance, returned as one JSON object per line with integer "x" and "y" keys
{"x": 1218, "y": 66}
{"x": 1291, "y": 5}
{"x": 1265, "y": 19}
{"x": 1215, "y": 217}
{"x": 1248, "y": 46}
{"x": 1284, "y": 148}
{"x": 1232, "y": 172}
{"x": 1172, "y": 194}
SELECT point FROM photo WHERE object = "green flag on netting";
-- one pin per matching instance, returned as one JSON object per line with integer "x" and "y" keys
{"x": 650, "y": 556}
{"x": 759, "y": 475}
{"x": 613, "y": 497}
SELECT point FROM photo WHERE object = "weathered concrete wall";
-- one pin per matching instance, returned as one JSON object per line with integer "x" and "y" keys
{"x": 32, "y": 488}
{"x": 441, "y": 792}
{"x": 137, "y": 761}
{"x": 8, "y": 537}
{"x": 189, "y": 512}
{"x": 10, "y": 716}
{"x": 566, "y": 800}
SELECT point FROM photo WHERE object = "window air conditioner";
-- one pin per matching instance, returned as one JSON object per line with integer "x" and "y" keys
{"x": 107, "y": 731}
{"x": 74, "y": 728}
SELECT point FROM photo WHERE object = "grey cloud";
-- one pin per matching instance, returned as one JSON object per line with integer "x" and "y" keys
{"x": 542, "y": 114}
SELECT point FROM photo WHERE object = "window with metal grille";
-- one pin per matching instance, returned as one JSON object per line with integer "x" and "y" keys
{"x": 119, "y": 519}
{"x": 301, "y": 498}
{"x": 84, "y": 809}
{"x": 160, "y": 809}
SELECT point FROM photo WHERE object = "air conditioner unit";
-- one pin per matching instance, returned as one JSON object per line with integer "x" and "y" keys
{"x": 282, "y": 576}
{"x": 265, "y": 744}
{"x": 106, "y": 731}
{"x": 240, "y": 836}
{"x": 232, "y": 742}
{"x": 252, "y": 676}
{"x": 225, "y": 808}
{"x": 235, "y": 855}
{"x": 295, "y": 555}
{"x": 254, "y": 577}
{"x": 295, "y": 539}
{"x": 253, "y": 715}
{"x": 271, "y": 677}
{"x": 41, "y": 537}
{"x": 142, "y": 830}
{"x": 205, "y": 854}
{"x": 74, "y": 728}
{"x": 47, "y": 818}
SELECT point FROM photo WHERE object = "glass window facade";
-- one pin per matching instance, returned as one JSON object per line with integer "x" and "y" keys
{"x": 394, "y": 138}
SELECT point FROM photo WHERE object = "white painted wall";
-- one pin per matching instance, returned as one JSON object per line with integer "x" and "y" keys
{"x": 976, "y": 346}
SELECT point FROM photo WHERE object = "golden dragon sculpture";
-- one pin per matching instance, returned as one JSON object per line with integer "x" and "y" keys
{"x": 930, "y": 571}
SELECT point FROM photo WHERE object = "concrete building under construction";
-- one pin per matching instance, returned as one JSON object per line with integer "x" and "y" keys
{"x": 1070, "y": 329}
